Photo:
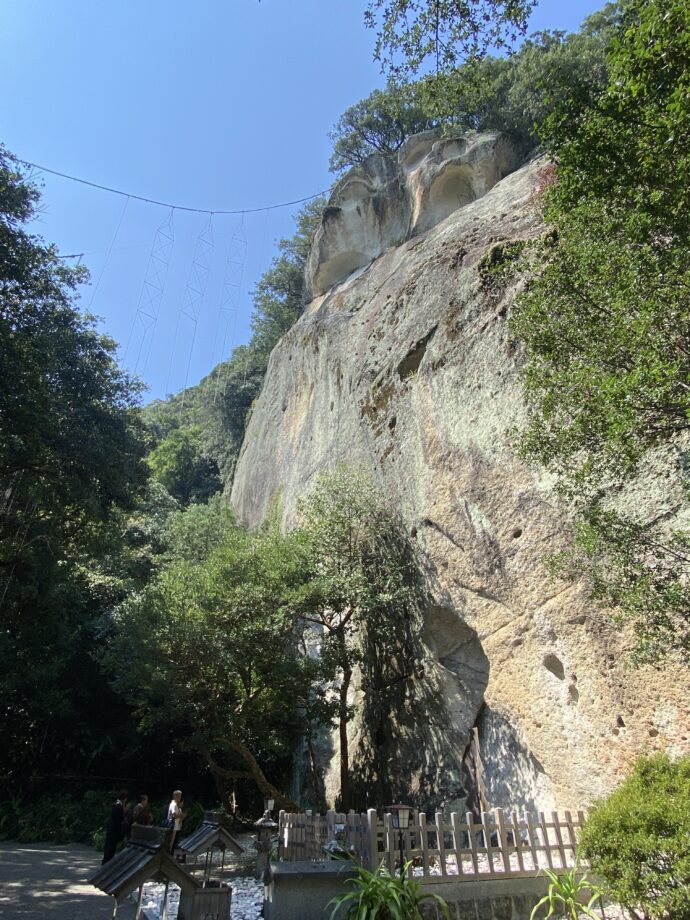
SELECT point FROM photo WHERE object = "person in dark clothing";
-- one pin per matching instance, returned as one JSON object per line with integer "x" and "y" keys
{"x": 141, "y": 813}
{"x": 113, "y": 830}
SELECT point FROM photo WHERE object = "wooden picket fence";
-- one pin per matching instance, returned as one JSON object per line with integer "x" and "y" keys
{"x": 500, "y": 845}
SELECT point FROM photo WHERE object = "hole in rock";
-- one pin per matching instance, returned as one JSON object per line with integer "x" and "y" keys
{"x": 416, "y": 151}
{"x": 336, "y": 269}
{"x": 517, "y": 533}
{"x": 412, "y": 360}
{"x": 554, "y": 664}
{"x": 619, "y": 722}
{"x": 451, "y": 190}
{"x": 573, "y": 693}
{"x": 392, "y": 423}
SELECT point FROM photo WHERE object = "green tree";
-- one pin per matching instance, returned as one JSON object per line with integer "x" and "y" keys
{"x": 636, "y": 840}
{"x": 606, "y": 318}
{"x": 378, "y": 124}
{"x": 517, "y": 93}
{"x": 412, "y": 31}
{"x": 181, "y": 464}
{"x": 71, "y": 451}
{"x": 363, "y": 589}
{"x": 209, "y": 647}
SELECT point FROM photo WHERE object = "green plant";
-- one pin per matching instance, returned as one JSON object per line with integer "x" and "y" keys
{"x": 565, "y": 895}
{"x": 638, "y": 840}
{"x": 385, "y": 896}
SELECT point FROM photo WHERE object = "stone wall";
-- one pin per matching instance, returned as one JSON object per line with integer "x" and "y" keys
{"x": 301, "y": 891}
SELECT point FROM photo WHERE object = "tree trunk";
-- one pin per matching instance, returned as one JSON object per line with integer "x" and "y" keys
{"x": 257, "y": 774}
{"x": 319, "y": 800}
{"x": 345, "y": 794}
{"x": 254, "y": 772}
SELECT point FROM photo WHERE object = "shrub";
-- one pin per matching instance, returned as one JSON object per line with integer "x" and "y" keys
{"x": 570, "y": 895}
{"x": 638, "y": 840}
{"x": 384, "y": 896}
{"x": 62, "y": 818}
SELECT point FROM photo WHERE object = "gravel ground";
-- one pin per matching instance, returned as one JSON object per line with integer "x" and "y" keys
{"x": 45, "y": 882}
{"x": 247, "y": 892}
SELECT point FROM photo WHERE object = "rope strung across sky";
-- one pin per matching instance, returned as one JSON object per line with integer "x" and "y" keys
{"x": 145, "y": 322}
{"x": 175, "y": 207}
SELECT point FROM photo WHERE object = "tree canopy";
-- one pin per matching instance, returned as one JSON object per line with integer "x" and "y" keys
{"x": 72, "y": 449}
{"x": 208, "y": 648}
{"x": 410, "y": 32}
{"x": 606, "y": 319}
{"x": 513, "y": 94}
{"x": 378, "y": 124}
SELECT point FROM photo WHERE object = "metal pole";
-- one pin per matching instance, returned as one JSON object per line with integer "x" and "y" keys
{"x": 114, "y": 914}
{"x": 402, "y": 854}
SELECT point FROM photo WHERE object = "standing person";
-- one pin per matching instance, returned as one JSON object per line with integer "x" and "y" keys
{"x": 113, "y": 830}
{"x": 175, "y": 817}
{"x": 141, "y": 813}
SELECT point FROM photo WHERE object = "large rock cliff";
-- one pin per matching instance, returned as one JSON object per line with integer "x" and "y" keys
{"x": 402, "y": 363}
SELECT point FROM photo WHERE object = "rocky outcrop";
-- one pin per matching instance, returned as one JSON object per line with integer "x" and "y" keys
{"x": 407, "y": 367}
{"x": 383, "y": 201}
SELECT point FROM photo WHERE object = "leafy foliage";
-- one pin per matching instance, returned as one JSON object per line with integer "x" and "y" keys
{"x": 72, "y": 451}
{"x": 516, "y": 94}
{"x": 513, "y": 94}
{"x": 636, "y": 840}
{"x": 363, "y": 592}
{"x": 606, "y": 320}
{"x": 412, "y": 31}
{"x": 208, "y": 647}
{"x": 180, "y": 464}
{"x": 384, "y": 895}
{"x": 378, "y": 124}
{"x": 566, "y": 894}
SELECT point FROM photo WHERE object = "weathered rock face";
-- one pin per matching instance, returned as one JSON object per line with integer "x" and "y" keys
{"x": 383, "y": 201}
{"x": 407, "y": 368}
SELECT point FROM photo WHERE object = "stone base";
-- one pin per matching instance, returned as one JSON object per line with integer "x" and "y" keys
{"x": 301, "y": 891}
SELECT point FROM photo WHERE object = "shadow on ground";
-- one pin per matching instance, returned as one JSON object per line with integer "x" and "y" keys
{"x": 45, "y": 882}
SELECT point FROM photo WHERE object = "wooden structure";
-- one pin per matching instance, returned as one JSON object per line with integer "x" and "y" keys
{"x": 500, "y": 845}
{"x": 142, "y": 861}
{"x": 200, "y": 847}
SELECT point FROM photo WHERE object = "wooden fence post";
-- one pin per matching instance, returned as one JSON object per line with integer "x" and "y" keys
{"x": 502, "y": 838}
{"x": 373, "y": 839}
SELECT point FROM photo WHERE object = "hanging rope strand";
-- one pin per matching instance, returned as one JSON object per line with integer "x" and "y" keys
{"x": 110, "y": 252}
{"x": 165, "y": 204}
{"x": 153, "y": 288}
{"x": 230, "y": 298}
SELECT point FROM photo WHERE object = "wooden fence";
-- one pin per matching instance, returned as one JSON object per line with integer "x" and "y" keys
{"x": 501, "y": 845}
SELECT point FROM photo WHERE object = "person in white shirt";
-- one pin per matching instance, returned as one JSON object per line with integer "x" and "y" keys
{"x": 175, "y": 817}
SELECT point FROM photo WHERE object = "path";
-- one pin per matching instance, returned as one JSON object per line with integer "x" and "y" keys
{"x": 46, "y": 882}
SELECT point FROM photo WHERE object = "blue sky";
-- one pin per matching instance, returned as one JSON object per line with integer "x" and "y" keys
{"x": 219, "y": 104}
